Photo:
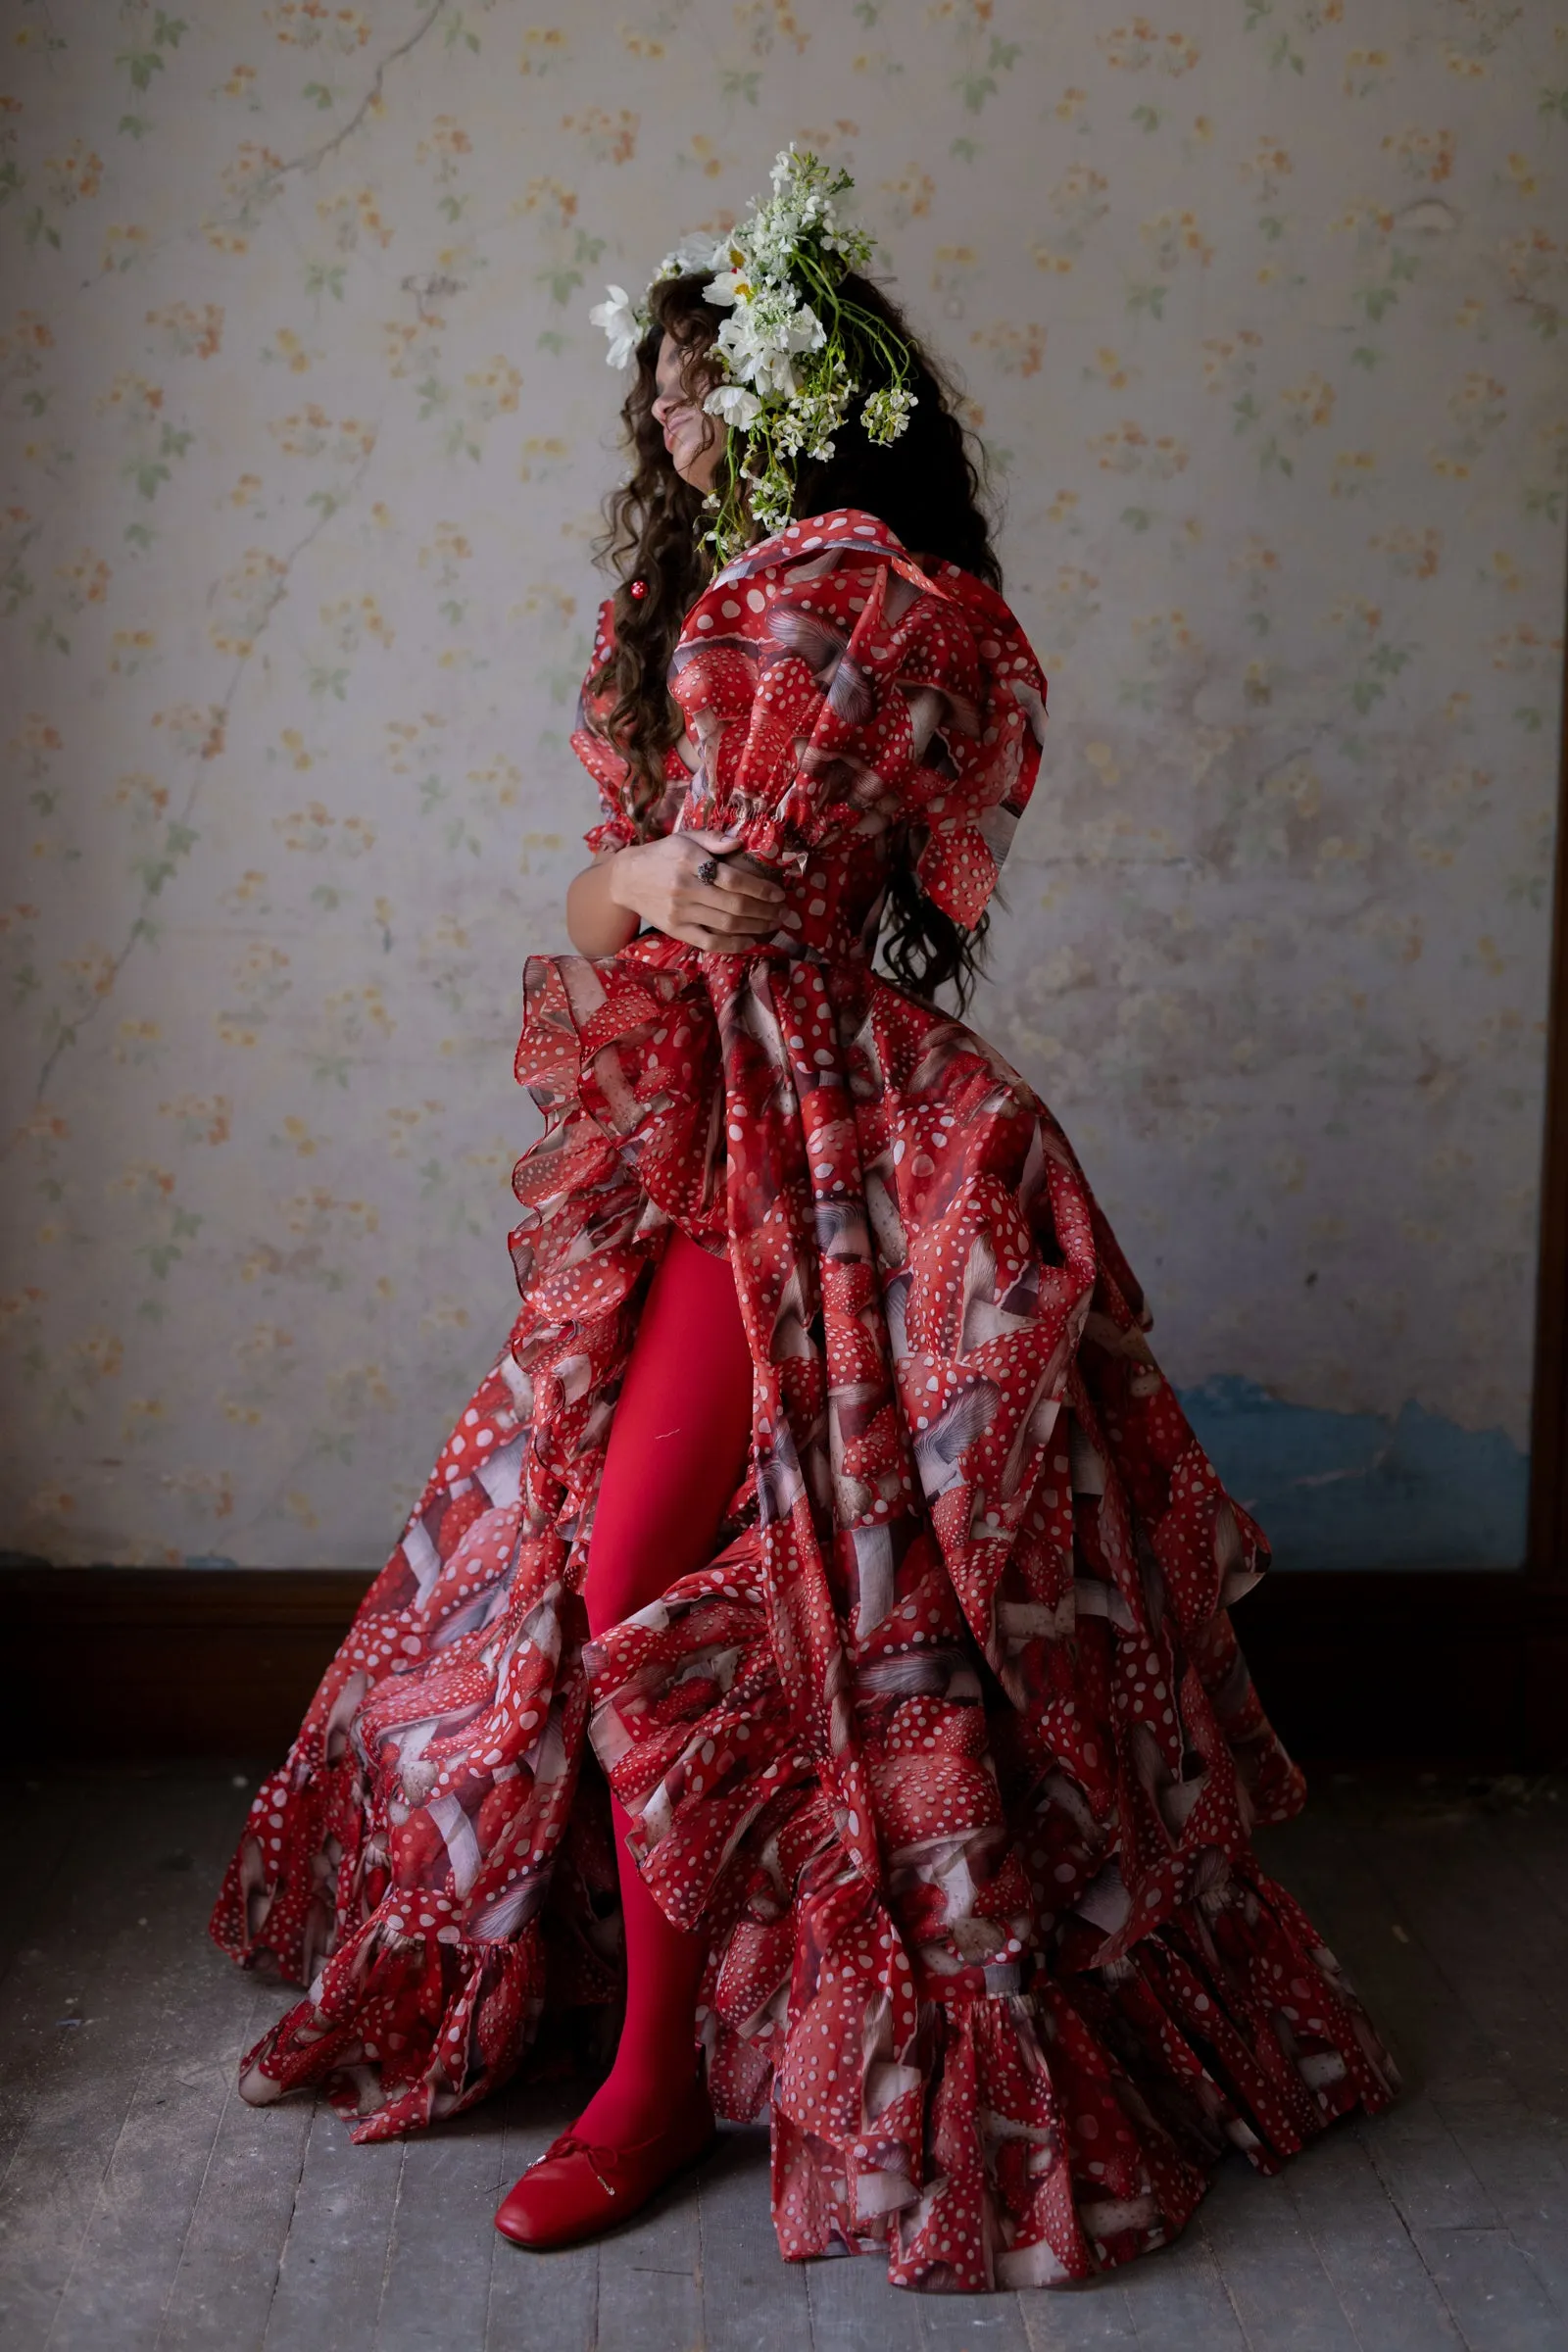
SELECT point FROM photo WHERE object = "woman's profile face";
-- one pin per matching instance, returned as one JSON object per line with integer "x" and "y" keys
{"x": 694, "y": 439}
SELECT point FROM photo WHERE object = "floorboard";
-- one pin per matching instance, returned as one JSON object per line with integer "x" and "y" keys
{"x": 751, "y": 2300}
{"x": 544, "y": 2299}
{"x": 145, "y": 2208}
{"x": 335, "y": 2260}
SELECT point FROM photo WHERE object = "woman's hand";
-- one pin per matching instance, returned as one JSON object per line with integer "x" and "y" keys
{"x": 656, "y": 880}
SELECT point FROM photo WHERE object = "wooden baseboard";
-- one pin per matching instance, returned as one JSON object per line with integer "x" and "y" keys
{"x": 1442, "y": 1667}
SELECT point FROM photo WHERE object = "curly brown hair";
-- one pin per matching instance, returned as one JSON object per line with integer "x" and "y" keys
{"x": 932, "y": 489}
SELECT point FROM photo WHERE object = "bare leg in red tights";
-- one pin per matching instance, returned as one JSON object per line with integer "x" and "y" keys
{"x": 677, "y": 1451}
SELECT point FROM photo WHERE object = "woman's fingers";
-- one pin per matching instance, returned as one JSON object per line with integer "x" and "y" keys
{"x": 740, "y": 871}
{"x": 714, "y": 903}
{"x": 735, "y": 881}
{"x": 741, "y": 907}
{"x": 721, "y": 927}
{"x": 733, "y": 930}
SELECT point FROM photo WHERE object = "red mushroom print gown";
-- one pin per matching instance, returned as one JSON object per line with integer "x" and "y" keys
{"x": 949, "y": 1750}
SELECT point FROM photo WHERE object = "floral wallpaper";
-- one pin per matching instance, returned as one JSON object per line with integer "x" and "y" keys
{"x": 1259, "y": 303}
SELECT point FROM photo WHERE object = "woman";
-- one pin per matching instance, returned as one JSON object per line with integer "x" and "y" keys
{"x": 826, "y": 1502}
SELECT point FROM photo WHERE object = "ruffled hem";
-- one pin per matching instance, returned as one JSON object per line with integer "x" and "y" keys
{"x": 961, "y": 1797}
{"x": 988, "y": 2098}
{"x": 403, "y": 2026}
{"x": 1037, "y": 2139}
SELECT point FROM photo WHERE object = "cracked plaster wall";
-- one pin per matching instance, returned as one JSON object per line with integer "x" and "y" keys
{"x": 1258, "y": 307}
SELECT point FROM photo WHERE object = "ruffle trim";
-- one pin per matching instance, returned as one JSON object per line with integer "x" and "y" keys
{"x": 403, "y": 2026}
{"x": 1034, "y": 2140}
{"x": 622, "y": 1054}
{"x": 981, "y": 2117}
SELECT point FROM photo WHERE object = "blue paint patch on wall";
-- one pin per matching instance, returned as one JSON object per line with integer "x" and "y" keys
{"x": 1354, "y": 1491}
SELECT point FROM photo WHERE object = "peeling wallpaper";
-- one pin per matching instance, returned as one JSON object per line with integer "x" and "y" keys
{"x": 1258, "y": 305}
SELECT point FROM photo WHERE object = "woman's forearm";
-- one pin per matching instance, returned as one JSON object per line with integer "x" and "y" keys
{"x": 657, "y": 882}
{"x": 596, "y": 922}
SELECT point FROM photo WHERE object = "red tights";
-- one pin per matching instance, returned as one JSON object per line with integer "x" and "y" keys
{"x": 677, "y": 1451}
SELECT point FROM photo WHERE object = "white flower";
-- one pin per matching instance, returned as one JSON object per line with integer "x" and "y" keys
{"x": 760, "y": 341}
{"x": 699, "y": 251}
{"x": 735, "y": 405}
{"x": 729, "y": 286}
{"x": 887, "y": 413}
{"x": 623, "y": 323}
{"x": 786, "y": 385}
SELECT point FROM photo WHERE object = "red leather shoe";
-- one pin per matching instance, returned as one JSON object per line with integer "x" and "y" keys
{"x": 578, "y": 2189}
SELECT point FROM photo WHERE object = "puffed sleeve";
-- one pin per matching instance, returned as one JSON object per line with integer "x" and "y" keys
{"x": 860, "y": 697}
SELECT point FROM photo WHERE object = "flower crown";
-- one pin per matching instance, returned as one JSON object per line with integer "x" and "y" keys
{"x": 787, "y": 381}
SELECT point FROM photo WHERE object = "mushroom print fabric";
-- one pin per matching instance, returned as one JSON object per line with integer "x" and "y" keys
{"x": 949, "y": 1750}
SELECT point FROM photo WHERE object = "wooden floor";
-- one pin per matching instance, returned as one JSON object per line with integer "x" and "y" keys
{"x": 145, "y": 2206}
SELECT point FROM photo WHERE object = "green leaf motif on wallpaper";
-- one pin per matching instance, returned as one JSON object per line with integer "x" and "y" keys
{"x": 15, "y": 585}
{"x": 326, "y": 277}
{"x": 1555, "y": 101}
{"x": 148, "y": 470}
{"x": 35, "y": 224}
{"x": 740, "y": 82}
{"x": 1378, "y": 300}
{"x": 1385, "y": 661}
{"x": 184, "y": 1226}
{"x": 142, "y": 64}
{"x": 976, "y": 83}
{"x": 564, "y": 277}
{"x": 163, "y": 864}
{"x": 318, "y": 94}
{"x": 1280, "y": 52}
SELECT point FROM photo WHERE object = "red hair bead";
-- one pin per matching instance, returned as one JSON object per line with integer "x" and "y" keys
{"x": 638, "y": 588}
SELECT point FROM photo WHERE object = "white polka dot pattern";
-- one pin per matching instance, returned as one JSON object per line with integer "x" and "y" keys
{"x": 950, "y": 1749}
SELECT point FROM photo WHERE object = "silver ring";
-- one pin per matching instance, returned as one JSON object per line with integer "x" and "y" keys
{"x": 708, "y": 871}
